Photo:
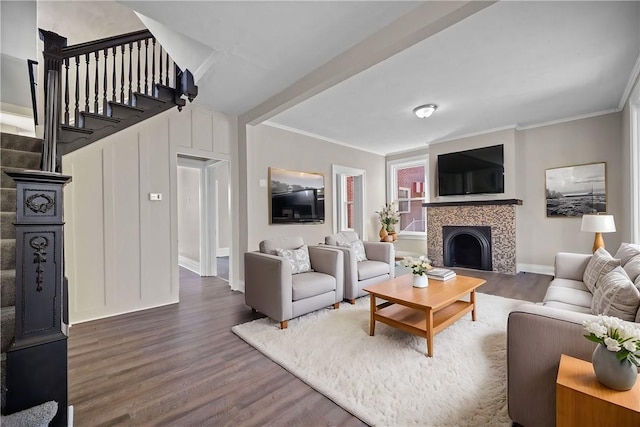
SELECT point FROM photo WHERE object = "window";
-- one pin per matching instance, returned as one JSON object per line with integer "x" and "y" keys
{"x": 348, "y": 199}
{"x": 406, "y": 180}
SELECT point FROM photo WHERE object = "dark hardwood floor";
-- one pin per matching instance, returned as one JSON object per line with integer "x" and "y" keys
{"x": 181, "y": 365}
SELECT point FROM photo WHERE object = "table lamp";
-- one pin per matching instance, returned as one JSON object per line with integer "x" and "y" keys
{"x": 598, "y": 224}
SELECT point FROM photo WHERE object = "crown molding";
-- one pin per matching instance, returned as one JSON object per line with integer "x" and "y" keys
{"x": 568, "y": 119}
{"x": 635, "y": 72}
{"x": 320, "y": 137}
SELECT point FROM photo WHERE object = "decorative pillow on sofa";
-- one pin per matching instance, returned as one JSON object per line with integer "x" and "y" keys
{"x": 616, "y": 295}
{"x": 632, "y": 268}
{"x": 358, "y": 247}
{"x": 298, "y": 259}
{"x": 626, "y": 251}
{"x": 600, "y": 264}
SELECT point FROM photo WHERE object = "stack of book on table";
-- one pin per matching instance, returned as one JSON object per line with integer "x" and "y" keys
{"x": 441, "y": 274}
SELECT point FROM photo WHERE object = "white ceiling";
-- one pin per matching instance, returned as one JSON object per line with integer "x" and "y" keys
{"x": 512, "y": 64}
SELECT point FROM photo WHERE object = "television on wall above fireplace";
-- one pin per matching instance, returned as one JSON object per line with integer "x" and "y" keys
{"x": 477, "y": 171}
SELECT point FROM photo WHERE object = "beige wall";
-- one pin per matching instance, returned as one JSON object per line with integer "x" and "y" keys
{"x": 121, "y": 248}
{"x": 595, "y": 139}
{"x": 528, "y": 153}
{"x": 273, "y": 147}
{"x": 189, "y": 214}
{"x": 505, "y": 137}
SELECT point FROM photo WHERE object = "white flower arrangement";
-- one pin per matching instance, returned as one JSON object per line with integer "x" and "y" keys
{"x": 617, "y": 336}
{"x": 418, "y": 266}
{"x": 389, "y": 215}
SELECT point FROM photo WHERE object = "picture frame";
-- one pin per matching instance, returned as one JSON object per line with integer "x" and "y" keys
{"x": 572, "y": 191}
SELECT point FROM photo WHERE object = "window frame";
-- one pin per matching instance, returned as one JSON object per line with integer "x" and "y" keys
{"x": 392, "y": 186}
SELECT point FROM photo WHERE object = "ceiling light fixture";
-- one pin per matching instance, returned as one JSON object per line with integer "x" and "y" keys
{"x": 425, "y": 111}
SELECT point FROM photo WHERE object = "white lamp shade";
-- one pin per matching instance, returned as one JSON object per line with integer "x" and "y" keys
{"x": 598, "y": 223}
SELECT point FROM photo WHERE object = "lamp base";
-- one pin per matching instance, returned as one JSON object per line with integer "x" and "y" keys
{"x": 598, "y": 242}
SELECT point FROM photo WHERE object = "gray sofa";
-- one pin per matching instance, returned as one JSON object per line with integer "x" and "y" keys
{"x": 537, "y": 334}
{"x": 273, "y": 289}
{"x": 378, "y": 267}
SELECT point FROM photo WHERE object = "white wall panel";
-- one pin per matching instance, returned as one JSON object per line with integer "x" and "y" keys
{"x": 121, "y": 248}
{"x": 202, "y": 130}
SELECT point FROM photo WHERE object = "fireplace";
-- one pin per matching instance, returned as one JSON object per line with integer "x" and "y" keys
{"x": 499, "y": 216}
{"x": 467, "y": 246}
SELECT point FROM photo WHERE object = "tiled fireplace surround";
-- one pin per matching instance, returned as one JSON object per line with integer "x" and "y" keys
{"x": 500, "y": 215}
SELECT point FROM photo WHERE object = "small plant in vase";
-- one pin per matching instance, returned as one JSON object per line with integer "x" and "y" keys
{"x": 419, "y": 268}
{"x": 388, "y": 217}
{"x": 618, "y": 352}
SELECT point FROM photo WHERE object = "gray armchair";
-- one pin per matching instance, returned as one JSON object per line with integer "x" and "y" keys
{"x": 272, "y": 289}
{"x": 378, "y": 267}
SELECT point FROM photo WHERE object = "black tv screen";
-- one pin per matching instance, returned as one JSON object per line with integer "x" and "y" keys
{"x": 296, "y": 197}
{"x": 477, "y": 171}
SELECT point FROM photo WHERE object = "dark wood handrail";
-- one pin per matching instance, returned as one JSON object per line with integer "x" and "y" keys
{"x": 105, "y": 43}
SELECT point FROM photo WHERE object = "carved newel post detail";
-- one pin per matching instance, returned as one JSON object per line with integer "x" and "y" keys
{"x": 37, "y": 361}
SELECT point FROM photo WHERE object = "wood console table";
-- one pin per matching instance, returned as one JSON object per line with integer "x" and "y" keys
{"x": 582, "y": 401}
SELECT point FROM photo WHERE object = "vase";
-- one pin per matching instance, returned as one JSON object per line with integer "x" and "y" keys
{"x": 612, "y": 373}
{"x": 393, "y": 235}
{"x": 383, "y": 233}
{"x": 420, "y": 281}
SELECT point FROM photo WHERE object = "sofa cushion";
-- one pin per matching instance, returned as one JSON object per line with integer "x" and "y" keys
{"x": 569, "y": 296}
{"x": 337, "y": 239}
{"x": 626, "y": 251}
{"x": 568, "y": 307}
{"x": 616, "y": 295}
{"x": 298, "y": 259}
{"x": 568, "y": 283}
{"x": 269, "y": 246}
{"x": 632, "y": 268}
{"x": 369, "y": 269}
{"x": 600, "y": 264}
{"x": 308, "y": 285}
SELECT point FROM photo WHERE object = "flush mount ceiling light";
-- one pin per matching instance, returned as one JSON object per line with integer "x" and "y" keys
{"x": 425, "y": 111}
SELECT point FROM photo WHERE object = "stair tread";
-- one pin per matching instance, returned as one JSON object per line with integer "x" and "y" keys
{"x": 71, "y": 128}
{"x": 144, "y": 95}
{"x": 20, "y": 142}
{"x": 131, "y": 107}
{"x": 100, "y": 117}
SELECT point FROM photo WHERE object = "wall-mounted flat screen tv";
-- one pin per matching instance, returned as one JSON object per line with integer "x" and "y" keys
{"x": 296, "y": 197}
{"x": 477, "y": 171}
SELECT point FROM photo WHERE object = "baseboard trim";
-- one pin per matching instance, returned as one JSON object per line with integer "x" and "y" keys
{"x": 189, "y": 264}
{"x": 222, "y": 252}
{"x": 536, "y": 268}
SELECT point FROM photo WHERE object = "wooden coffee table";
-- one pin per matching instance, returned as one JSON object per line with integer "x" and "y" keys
{"x": 422, "y": 311}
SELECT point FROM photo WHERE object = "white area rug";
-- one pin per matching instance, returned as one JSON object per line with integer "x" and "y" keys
{"x": 386, "y": 380}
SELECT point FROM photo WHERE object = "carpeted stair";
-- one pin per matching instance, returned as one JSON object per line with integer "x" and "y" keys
{"x": 16, "y": 153}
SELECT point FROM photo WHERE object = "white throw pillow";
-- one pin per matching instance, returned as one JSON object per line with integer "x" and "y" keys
{"x": 600, "y": 264}
{"x": 632, "y": 268}
{"x": 298, "y": 259}
{"x": 358, "y": 247}
{"x": 616, "y": 295}
{"x": 626, "y": 251}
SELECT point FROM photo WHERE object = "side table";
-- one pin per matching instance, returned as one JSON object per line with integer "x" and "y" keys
{"x": 582, "y": 401}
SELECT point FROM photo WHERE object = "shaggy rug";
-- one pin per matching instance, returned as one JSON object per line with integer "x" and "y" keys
{"x": 386, "y": 380}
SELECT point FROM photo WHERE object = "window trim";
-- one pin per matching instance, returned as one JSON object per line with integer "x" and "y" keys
{"x": 634, "y": 164}
{"x": 392, "y": 185}
{"x": 337, "y": 172}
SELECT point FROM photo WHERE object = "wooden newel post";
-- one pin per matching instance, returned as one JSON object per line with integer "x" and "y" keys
{"x": 37, "y": 361}
{"x": 52, "y": 53}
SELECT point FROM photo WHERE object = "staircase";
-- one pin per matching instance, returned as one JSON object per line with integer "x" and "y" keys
{"x": 110, "y": 84}
{"x": 91, "y": 90}
{"x": 16, "y": 153}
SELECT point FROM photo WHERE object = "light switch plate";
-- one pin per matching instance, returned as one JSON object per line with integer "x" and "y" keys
{"x": 155, "y": 196}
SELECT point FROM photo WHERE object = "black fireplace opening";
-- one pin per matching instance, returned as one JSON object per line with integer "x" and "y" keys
{"x": 467, "y": 247}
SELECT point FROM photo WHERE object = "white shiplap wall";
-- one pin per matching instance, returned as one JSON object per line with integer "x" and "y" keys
{"x": 121, "y": 248}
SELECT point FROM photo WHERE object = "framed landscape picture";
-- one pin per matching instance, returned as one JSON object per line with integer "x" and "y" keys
{"x": 573, "y": 191}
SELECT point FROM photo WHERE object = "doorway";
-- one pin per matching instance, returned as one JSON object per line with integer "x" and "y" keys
{"x": 204, "y": 230}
